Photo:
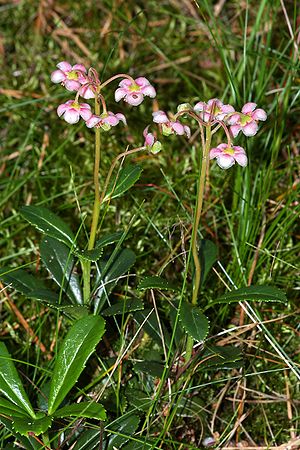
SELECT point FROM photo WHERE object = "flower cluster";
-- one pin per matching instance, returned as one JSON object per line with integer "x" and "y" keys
{"x": 87, "y": 85}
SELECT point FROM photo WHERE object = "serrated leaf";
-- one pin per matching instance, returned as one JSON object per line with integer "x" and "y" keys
{"x": 60, "y": 263}
{"x": 90, "y": 410}
{"x": 74, "y": 312}
{"x": 124, "y": 427}
{"x": 89, "y": 440}
{"x": 11, "y": 409}
{"x": 109, "y": 274}
{"x": 208, "y": 255}
{"x": 124, "y": 307}
{"x": 126, "y": 178}
{"x": 193, "y": 321}
{"x": 221, "y": 357}
{"x": 77, "y": 347}
{"x": 96, "y": 253}
{"x": 252, "y": 293}
{"x": 49, "y": 223}
{"x": 36, "y": 426}
{"x": 28, "y": 442}
{"x": 157, "y": 283}
{"x": 10, "y": 383}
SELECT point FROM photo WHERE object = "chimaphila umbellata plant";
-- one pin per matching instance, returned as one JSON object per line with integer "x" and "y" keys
{"x": 59, "y": 248}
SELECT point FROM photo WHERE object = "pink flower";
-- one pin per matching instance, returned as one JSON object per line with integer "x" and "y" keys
{"x": 213, "y": 109}
{"x": 133, "y": 93}
{"x": 170, "y": 126}
{"x": 227, "y": 156}
{"x": 151, "y": 142}
{"x": 72, "y": 77}
{"x": 86, "y": 91}
{"x": 246, "y": 121}
{"x": 71, "y": 111}
{"x": 105, "y": 120}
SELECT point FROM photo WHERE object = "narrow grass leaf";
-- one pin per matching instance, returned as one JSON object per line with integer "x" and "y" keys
{"x": 77, "y": 347}
{"x": 194, "y": 321}
{"x": 90, "y": 410}
{"x": 10, "y": 383}
{"x": 49, "y": 223}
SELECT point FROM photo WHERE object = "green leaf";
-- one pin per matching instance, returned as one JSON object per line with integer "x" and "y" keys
{"x": 219, "y": 357}
{"x": 96, "y": 253}
{"x": 110, "y": 273}
{"x": 208, "y": 255}
{"x": 126, "y": 178}
{"x": 11, "y": 409}
{"x": 252, "y": 293}
{"x": 74, "y": 312}
{"x": 60, "y": 263}
{"x": 49, "y": 223}
{"x": 151, "y": 326}
{"x": 89, "y": 440}
{"x": 90, "y": 410}
{"x": 124, "y": 427}
{"x": 28, "y": 442}
{"x": 138, "y": 399}
{"x": 124, "y": 307}
{"x": 153, "y": 368}
{"x": 193, "y": 321}
{"x": 77, "y": 347}
{"x": 157, "y": 283}
{"x": 36, "y": 426}
{"x": 10, "y": 384}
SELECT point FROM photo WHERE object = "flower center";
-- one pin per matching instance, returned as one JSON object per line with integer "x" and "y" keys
{"x": 229, "y": 151}
{"x": 75, "y": 105}
{"x": 244, "y": 119}
{"x": 72, "y": 75}
{"x": 134, "y": 87}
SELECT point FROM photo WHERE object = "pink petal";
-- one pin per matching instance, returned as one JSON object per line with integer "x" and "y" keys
{"x": 57, "y": 76}
{"x": 120, "y": 93}
{"x": 235, "y": 129}
{"x": 178, "y": 128}
{"x": 86, "y": 92}
{"x": 79, "y": 67}
{"x": 121, "y": 117}
{"x": 248, "y": 107}
{"x": 259, "y": 114}
{"x": 227, "y": 109}
{"x": 149, "y": 141}
{"x": 200, "y": 106}
{"x": 160, "y": 117}
{"x": 61, "y": 109}
{"x": 145, "y": 132}
{"x": 71, "y": 116}
{"x": 92, "y": 121}
{"x": 187, "y": 131}
{"x": 85, "y": 113}
{"x": 64, "y": 66}
{"x": 142, "y": 81}
{"x": 72, "y": 85}
{"x": 241, "y": 159}
{"x": 216, "y": 102}
{"x": 232, "y": 120}
{"x": 125, "y": 83}
{"x": 111, "y": 120}
{"x": 214, "y": 152}
{"x": 225, "y": 161}
{"x": 149, "y": 91}
{"x": 250, "y": 129}
{"x": 223, "y": 147}
{"x": 134, "y": 98}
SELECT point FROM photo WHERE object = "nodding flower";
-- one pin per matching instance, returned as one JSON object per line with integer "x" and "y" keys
{"x": 213, "y": 109}
{"x": 71, "y": 111}
{"x": 134, "y": 92}
{"x": 170, "y": 126}
{"x": 72, "y": 77}
{"x": 227, "y": 155}
{"x": 151, "y": 143}
{"x": 246, "y": 121}
{"x": 105, "y": 121}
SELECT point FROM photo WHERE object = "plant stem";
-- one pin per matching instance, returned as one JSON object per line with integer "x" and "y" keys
{"x": 86, "y": 265}
{"x": 197, "y": 216}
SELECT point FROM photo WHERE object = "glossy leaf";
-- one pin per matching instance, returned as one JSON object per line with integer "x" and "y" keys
{"x": 193, "y": 321}
{"x": 11, "y": 409}
{"x": 49, "y": 223}
{"x": 157, "y": 283}
{"x": 60, "y": 263}
{"x": 28, "y": 442}
{"x": 10, "y": 383}
{"x": 125, "y": 426}
{"x": 252, "y": 293}
{"x": 89, "y": 440}
{"x": 90, "y": 410}
{"x": 36, "y": 426}
{"x": 208, "y": 255}
{"x": 96, "y": 253}
{"x": 77, "y": 347}
{"x": 124, "y": 307}
{"x": 74, "y": 312}
{"x": 126, "y": 178}
{"x": 109, "y": 274}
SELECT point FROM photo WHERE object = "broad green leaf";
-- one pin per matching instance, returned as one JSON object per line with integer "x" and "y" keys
{"x": 59, "y": 261}
{"x": 75, "y": 350}
{"x": 109, "y": 274}
{"x": 90, "y": 410}
{"x": 124, "y": 306}
{"x": 11, "y": 409}
{"x": 96, "y": 253}
{"x": 138, "y": 444}
{"x": 193, "y": 321}
{"x": 74, "y": 312}
{"x": 157, "y": 283}
{"x": 126, "y": 178}
{"x": 124, "y": 427}
{"x": 252, "y": 293}
{"x": 208, "y": 255}
{"x": 89, "y": 440}
{"x": 221, "y": 357}
{"x": 153, "y": 368}
{"x": 46, "y": 296}
{"x": 138, "y": 399}
{"x": 10, "y": 384}
{"x": 36, "y": 426}
{"x": 28, "y": 442}
{"x": 49, "y": 223}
